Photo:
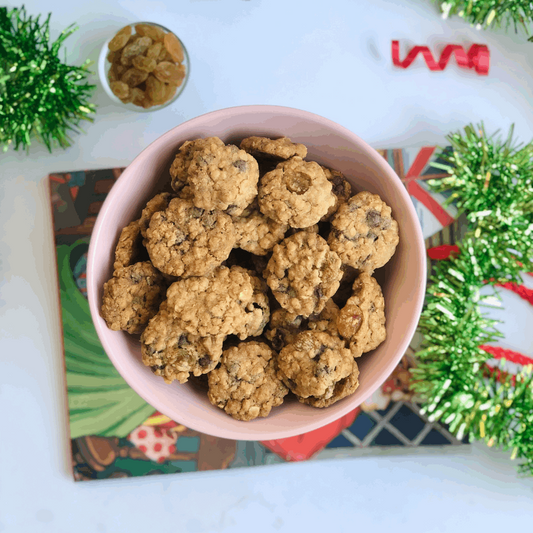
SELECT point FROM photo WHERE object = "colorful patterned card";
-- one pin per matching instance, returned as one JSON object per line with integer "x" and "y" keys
{"x": 114, "y": 433}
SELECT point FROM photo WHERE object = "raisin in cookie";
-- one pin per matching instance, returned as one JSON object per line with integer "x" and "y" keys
{"x": 314, "y": 363}
{"x": 224, "y": 178}
{"x": 277, "y": 149}
{"x": 174, "y": 353}
{"x": 341, "y": 189}
{"x": 132, "y": 297}
{"x": 303, "y": 273}
{"x": 362, "y": 320}
{"x": 219, "y": 304}
{"x": 130, "y": 249}
{"x": 341, "y": 389}
{"x": 245, "y": 384}
{"x": 363, "y": 233}
{"x": 179, "y": 171}
{"x": 184, "y": 240}
{"x": 296, "y": 192}
{"x": 257, "y": 233}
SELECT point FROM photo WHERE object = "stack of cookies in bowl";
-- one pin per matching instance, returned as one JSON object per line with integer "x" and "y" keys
{"x": 254, "y": 270}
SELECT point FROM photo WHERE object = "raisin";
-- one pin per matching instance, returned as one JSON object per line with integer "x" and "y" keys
{"x": 120, "y": 89}
{"x": 134, "y": 77}
{"x": 112, "y": 75}
{"x": 174, "y": 48}
{"x": 373, "y": 218}
{"x": 240, "y": 164}
{"x": 204, "y": 361}
{"x": 299, "y": 183}
{"x": 209, "y": 220}
{"x": 168, "y": 72}
{"x": 164, "y": 55}
{"x": 127, "y": 99}
{"x": 170, "y": 91}
{"x": 119, "y": 69}
{"x": 137, "y": 95}
{"x": 231, "y": 210}
{"x": 143, "y": 63}
{"x": 120, "y": 39}
{"x": 154, "y": 50}
{"x": 147, "y": 30}
{"x": 136, "y": 48}
{"x": 155, "y": 90}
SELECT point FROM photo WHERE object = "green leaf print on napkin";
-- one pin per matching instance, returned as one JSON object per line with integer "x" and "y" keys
{"x": 100, "y": 401}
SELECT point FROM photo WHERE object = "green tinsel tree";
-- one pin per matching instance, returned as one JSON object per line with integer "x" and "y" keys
{"x": 40, "y": 95}
{"x": 492, "y": 182}
{"x": 491, "y": 13}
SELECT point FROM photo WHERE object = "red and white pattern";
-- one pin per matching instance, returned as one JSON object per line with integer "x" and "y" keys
{"x": 157, "y": 444}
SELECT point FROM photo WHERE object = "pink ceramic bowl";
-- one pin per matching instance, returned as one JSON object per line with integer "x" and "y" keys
{"x": 403, "y": 279}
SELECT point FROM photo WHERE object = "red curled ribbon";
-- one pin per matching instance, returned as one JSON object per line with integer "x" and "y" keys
{"x": 477, "y": 57}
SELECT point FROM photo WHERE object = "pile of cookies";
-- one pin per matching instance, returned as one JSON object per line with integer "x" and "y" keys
{"x": 255, "y": 269}
{"x": 145, "y": 68}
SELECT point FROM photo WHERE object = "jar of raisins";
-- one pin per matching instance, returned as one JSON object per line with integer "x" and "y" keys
{"x": 144, "y": 66}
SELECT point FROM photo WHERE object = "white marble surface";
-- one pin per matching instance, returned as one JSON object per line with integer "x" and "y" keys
{"x": 331, "y": 58}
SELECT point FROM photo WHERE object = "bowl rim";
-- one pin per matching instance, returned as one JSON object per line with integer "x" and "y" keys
{"x": 416, "y": 244}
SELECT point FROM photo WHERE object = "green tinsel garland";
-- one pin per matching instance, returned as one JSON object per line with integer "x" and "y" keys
{"x": 492, "y": 182}
{"x": 490, "y": 13}
{"x": 39, "y": 94}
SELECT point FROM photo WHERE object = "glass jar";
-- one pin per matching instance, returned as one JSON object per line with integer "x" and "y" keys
{"x": 144, "y": 67}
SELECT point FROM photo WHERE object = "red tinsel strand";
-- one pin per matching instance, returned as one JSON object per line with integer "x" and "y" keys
{"x": 477, "y": 57}
{"x": 438, "y": 253}
{"x": 524, "y": 292}
{"x": 508, "y": 355}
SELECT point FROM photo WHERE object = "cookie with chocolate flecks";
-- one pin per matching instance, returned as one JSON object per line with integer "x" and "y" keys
{"x": 185, "y": 240}
{"x": 132, "y": 297}
{"x": 174, "y": 353}
{"x": 257, "y": 233}
{"x": 362, "y": 320}
{"x": 303, "y": 273}
{"x": 284, "y": 327}
{"x": 245, "y": 384}
{"x": 227, "y": 302}
{"x": 223, "y": 178}
{"x": 179, "y": 170}
{"x": 363, "y": 232}
{"x": 276, "y": 149}
{"x": 342, "y": 389}
{"x": 342, "y": 190}
{"x": 314, "y": 363}
{"x": 296, "y": 192}
{"x": 130, "y": 249}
